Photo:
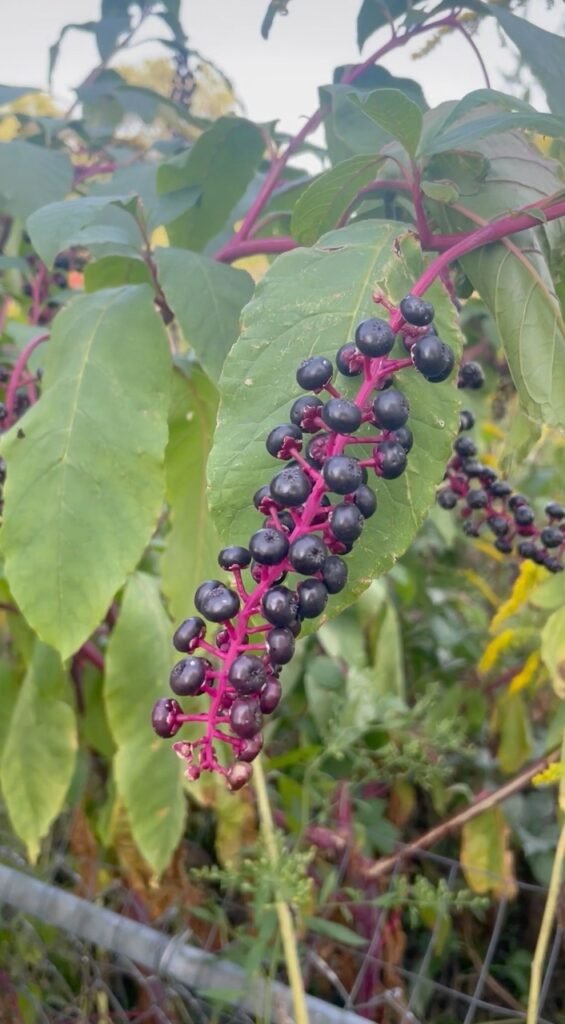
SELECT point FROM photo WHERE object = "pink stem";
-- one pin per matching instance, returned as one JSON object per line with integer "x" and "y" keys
{"x": 90, "y": 652}
{"x": 236, "y": 250}
{"x": 16, "y": 375}
{"x": 81, "y": 173}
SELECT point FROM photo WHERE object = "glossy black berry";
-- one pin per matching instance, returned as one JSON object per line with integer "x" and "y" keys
{"x": 187, "y": 676}
{"x": 470, "y": 530}
{"x": 346, "y": 523}
{"x": 516, "y": 500}
{"x": 390, "y": 459}
{"x": 283, "y": 439}
{"x": 268, "y": 546}
{"x": 341, "y": 416}
{"x": 263, "y": 499}
{"x": 405, "y": 437}
{"x": 270, "y": 696}
{"x": 218, "y": 603}
{"x": 348, "y": 361}
{"x": 312, "y": 598}
{"x": 499, "y": 525}
{"x": 503, "y": 545}
{"x": 280, "y": 646}
{"x": 251, "y": 748}
{"x": 290, "y": 487}
{"x": 524, "y": 515}
{"x": 466, "y": 420}
{"x": 432, "y": 358}
{"x": 284, "y": 518}
{"x": 447, "y": 498}
{"x": 551, "y": 536}
{"x": 477, "y": 498}
{"x": 304, "y": 410}
{"x": 472, "y": 468}
{"x": 553, "y": 564}
{"x": 465, "y": 447}
{"x": 314, "y": 373}
{"x": 366, "y": 501}
{"x": 247, "y": 674}
{"x": 527, "y": 549}
{"x": 334, "y": 573}
{"x": 307, "y": 554}
{"x": 540, "y": 556}
{"x": 280, "y": 606}
{"x": 390, "y": 409}
{"x": 555, "y": 511}
{"x": 500, "y": 489}
{"x": 342, "y": 474}
{"x": 188, "y": 634}
{"x": 234, "y": 557}
{"x": 374, "y": 337}
{"x": 488, "y": 476}
{"x": 416, "y": 311}
{"x": 471, "y": 376}
{"x": 164, "y": 717}
{"x": 246, "y": 718}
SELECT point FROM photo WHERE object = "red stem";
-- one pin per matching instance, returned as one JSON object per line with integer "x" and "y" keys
{"x": 236, "y": 250}
{"x": 16, "y": 375}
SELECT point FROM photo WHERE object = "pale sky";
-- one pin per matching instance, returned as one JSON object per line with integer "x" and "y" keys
{"x": 277, "y": 78}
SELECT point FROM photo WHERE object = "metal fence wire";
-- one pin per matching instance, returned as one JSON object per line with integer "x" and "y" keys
{"x": 65, "y": 959}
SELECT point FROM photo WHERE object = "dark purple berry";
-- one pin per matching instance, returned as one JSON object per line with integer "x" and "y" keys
{"x": 348, "y": 361}
{"x": 366, "y": 501}
{"x": 314, "y": 373}
{"x": 187, "y": 676}
{"x": 499, "y": 525}
{"x": 268, "y": 546}
{"x": 488, "y": 476}
{"x": 188, "y": 634}
{"x": 334, "y": 573}
{"x": 280, "y": 646}
{"x": 551, "y": 536}
{"x": 341, "y": 416}
{"x": 290, "y": 487}
{"x": 416, "y": 311}
{"x": 250, "y": 749}
{"x": 390, "y": 409}
{"x": 477, "y": 498}
{"x": 342, "y": 474}
{"x": 447, "y": 498}
{"x": 205, "y": 588}
{"x": 283, "y": 440}
{"x": 500, "y": 489}
{"x": 270, "y": 696}
{"x": 503, "y": 545}
{"x": 164, "y": 717}
{"x": 555, "y": 511}
{"x": 553, "y": 564}
{"x": 312, "y": 598}
{"x": 470, "y": 529}
{"x": 524, "y": 515}
{"x": 466, "y": 420}
{"x": 263, "y": 499}
{"x": 304, "y": 410}
{"x": 516, "y": 500}
{"x": 472, "y": 467}
{"x": 307, "y": 554}
{"x": 390, "y": 459}
{"x": 238, "y": 775}
{"x": 527, "y": 549}
{"x": 346, "y": 523}
{"x": 432, "y": 358}
{"x": 280, "y": 606}
{"x": 234, "y": 557}
{"x": 247, "y": 674}
{"x": 246, "y": 718}
{"x": 471, "y": 376}
{"x": 405, "y": 437}
{"x": 374, "y": 338}
{"x": 219, "y": 604}
{"x": 465, "y": 447}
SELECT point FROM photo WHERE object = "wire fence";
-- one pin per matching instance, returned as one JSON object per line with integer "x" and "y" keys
{"x": 65, "y": 959}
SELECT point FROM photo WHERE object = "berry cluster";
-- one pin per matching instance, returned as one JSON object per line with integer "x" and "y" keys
{"x": 314, "y": 510}
{"x": 485, "y": 502}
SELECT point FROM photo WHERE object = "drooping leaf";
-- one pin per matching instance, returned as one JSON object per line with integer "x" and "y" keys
{"x": 324, "y": 686}
{"x": 515, "y": 738}
{"x": 396, "y": 114}
{"x": 40, "y": 750}
{"x": 373, "y": 14}
{"x": 309, "y": 302}
{"x": 486, "y": 860}
{"x": 380, "y": 619}
{"x": 463, "y": 135}
{"x": 148, "y": 776}
{"x": 322, "y": 204}
{"x": 57, "y": 226}
{"x": 85, "y": 479}
{"x": 221, "y": 163}
{"x": 553, "y": 650}
{"x": 85, "y": 26}
{"x": 192, "y": 543}
{"x": 9, "y": 690}
{"x": 206, "y": 298}
{"x": 31, "y": 176}
{"x": 543, "y": 51}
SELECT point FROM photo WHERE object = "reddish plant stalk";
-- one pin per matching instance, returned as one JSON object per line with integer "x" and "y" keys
{"x": 16, "y": 376}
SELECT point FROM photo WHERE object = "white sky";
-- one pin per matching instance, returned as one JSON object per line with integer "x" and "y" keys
{"x": 277, "y": 78}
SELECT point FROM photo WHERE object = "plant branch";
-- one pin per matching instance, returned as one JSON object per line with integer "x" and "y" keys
{"x": 16, "y": 374}
{"x": 456, "y": 822}
{"x": 236, "y": 250}
{"x": 461, "y": 28}
{"x": 284, "y": 913}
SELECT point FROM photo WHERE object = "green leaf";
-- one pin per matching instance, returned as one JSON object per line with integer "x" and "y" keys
{"x": 89, "y": 466}
{"x": 148, "y": 775}
{"x": 192, "y": 542}
{"x": 553, "y": 650}
{"x": 40, "y": 750}
{"x": 113, "y": 271}
{"x": 373, "y": 14}
{"x": 543, "y": 51}
{"x": 399, "y": 116}
{"x": 9, "y": 690}
{"x": 310, "y": 302}
{"x": 59, "y": 225}
{"x": 485, "y": 859}
{"x": 515, "y": 737}
{"x": 221, "y": 163}
{"x": 320, "y": 207}
{"x": 206, "y": 298}
{"x": 31, "y": 176}
{"x": 334, "y": 930}
{"x": 441, "y": 191}
{"x": 550, "y": 594}
{"x": 10, "y": 93}
{"x": 324, "y": 686}
{"x": 343, "y": 639}
{"x": 477, "y": 128}
{"x": 380, "y": 618}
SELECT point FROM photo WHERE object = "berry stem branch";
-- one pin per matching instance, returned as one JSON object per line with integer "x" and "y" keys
{"x": 284, "y": 912}
{"x": 17, "y": 373}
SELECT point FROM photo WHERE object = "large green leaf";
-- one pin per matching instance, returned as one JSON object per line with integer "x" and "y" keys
{"x": 57, "y": 226}
{"x": 553, "y": 650}
{"x": 192, "y": 542}
{"x": 543, "y": 51}
{"x": 206, "y": 298}
{"x": 514, "y": 280}
{"x": 396, "y": 114}
{"x": 148, "y": 776}
{"x": 373, "y": 14}
{"x": 328, "y": 197}
{"x": 310, "y": 302}
{"x": 85, "y": 480}
{"x": 40, "y": 750}
{"x": 31, "y": 176}
{"x": 221, "y": 163}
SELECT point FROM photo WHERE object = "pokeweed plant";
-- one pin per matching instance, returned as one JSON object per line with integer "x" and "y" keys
{"x": 170, "y": 283}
